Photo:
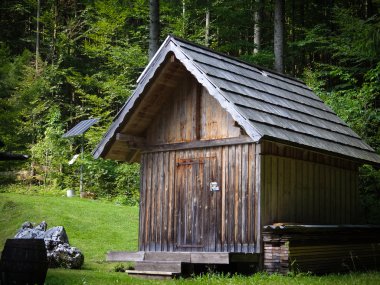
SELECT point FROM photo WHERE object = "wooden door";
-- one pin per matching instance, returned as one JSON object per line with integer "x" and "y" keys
{"x": 193, "y": 177}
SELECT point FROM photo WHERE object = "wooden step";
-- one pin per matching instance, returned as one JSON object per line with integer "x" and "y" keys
{"x": 168, "y": 256}
{"x": 189, "y": 257}
{"x": 146, "y": 274}
{"x": 210, "y": 257}
{"x": 161, "y": 266}
{"x": 125, "y": 256}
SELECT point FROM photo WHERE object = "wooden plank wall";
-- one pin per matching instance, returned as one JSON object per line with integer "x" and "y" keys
{"x": 301, "y": 186}
{"x": 191, "y": 114}
{"x": 230, "y": 215}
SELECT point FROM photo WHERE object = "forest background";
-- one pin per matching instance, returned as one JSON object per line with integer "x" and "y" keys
{"x": 62, "y": 61}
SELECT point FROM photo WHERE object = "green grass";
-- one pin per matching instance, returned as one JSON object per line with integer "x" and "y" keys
{"x": 93, "y": 226}
{"x": 96, "y": 227}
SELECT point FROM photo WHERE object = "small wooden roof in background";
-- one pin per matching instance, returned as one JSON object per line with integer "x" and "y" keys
{"x": 267, "y": 105}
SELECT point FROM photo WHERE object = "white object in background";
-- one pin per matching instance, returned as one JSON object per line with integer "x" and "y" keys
{"x": 70, "y": 193}
{"x": 75, "y": 157}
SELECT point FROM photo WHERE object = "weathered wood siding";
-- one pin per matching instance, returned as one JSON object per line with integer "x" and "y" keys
{"x": 178, "y": 212}
{"x": 191, "y": 114}
{"x": 301, "y": 186}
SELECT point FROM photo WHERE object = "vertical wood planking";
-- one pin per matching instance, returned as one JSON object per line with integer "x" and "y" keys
{"x": 328, "y": 201}
{"x": 354, "y": 199}
{"x": 218, "y": 198}
{"x": 267, "y": 188}
{"x": 253, "y": 197}
{"x": 320, "y": 189}
{"x": 244, "y": 198}
{"x": 308, "y": 192}
{"x": 259, "y": 175}
{"x": 171, "y": 199}
{"x": 342, "y": 210}
{"x": 224, "y": 158}
{"x": 273, "y": 195}
{"x": 237, "y": 190}
{"x": 142, "y": 206}
{"x": 356, "y": 196}
{"x": 148, "y": 203}
{"x": 198, "y": 111}
{"x": 347, "y": 196}
{"x": 281, "y": 191}
{"x": 293, "y": 191}
{"x": 335, "y": 197}
{"x": 154, "y": 196}
{"x": 190, "y": 116}
{"x": 311, "y": 192}
{"x": 250, "y": 208}
{"x": 229, "y": 216}
{"x": 299, "y": 189}
{"x": 305, "y": 193}
{"x": 213, "y": 207}
{"x": 165, "y": 200}
{"x": 160, "y": 201}
{"x": 322, "y": 177}
{"x": 231, "y": 199}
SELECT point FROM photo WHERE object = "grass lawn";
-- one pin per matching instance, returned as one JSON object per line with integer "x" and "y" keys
{"x": 96, "y": 227}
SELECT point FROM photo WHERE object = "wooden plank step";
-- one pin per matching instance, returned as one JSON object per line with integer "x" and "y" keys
{"x": 125, "y": 256}
{"x": 152, "y": 274}
{"x": 167, "y": 256}
{"x": 210, "y": 257}
{"x": 160, "y": 266}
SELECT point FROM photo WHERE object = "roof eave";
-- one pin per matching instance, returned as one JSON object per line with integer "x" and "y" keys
{"x": 360, "y": 161}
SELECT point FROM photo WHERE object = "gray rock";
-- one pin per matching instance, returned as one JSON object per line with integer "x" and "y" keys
{"x": 58, "y": 249}
{"x": 27, "y": 225}
{"x": 42, "y": 226}
{"x": 65, "y": 256}
{"x": 28, "y": 232}
{"x": 55, "y": 236}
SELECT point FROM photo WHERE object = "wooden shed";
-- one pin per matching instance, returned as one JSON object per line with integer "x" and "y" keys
{"x": 226, "y": 148}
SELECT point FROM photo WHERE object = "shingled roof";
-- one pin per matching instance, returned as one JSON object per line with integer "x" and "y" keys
{"x": 267, "y": 105}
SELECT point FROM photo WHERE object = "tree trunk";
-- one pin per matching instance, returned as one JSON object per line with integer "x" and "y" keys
{"x": 207, "y": 28}
{"x": 154, "y": 27}
{"x": 55, "y": 26}
{"x": 257, "y": 26}
{"x": 279, "y": 31}
{"x": 38, "y": 34}
{"x": 183, "y": 18}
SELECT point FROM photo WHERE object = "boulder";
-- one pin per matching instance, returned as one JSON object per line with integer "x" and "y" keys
{"x": 58, "y": 249}
{"x": 28, "y": 232}
{"x": 65, "y": 256}
{"x": 54, "y": 237}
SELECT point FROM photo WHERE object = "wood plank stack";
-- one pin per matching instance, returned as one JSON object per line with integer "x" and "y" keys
{"x": 321, "y": 249}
